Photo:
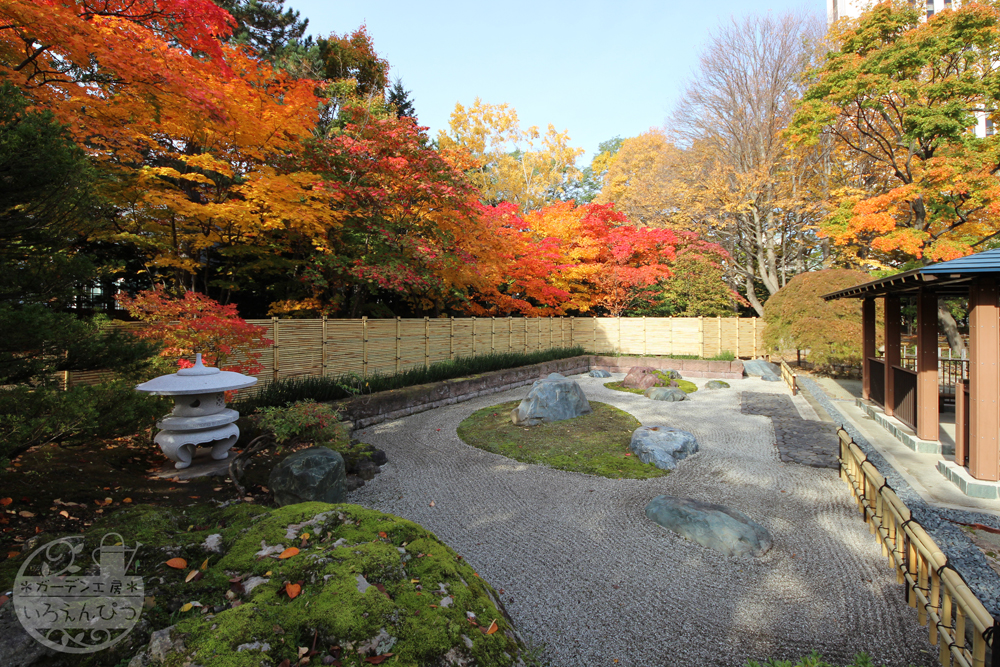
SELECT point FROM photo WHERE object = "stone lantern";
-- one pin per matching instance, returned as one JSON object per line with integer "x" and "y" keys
{"x": 200, "y": 416}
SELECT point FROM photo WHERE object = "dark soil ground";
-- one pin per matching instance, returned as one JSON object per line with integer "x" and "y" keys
{"x": 62, "y": 489}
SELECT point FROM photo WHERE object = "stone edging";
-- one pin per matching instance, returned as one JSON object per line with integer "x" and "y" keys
{"x": 365, "y": 411}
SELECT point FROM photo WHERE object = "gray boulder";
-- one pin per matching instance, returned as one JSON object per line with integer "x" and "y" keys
{"x": 716, "y": 384}
{"x": 551, "y": 399}
{"x": 673, "y": 375}
{"x": 312, "y": 474}
{"x": 713, "y": 526}
{"x": 671, "y": 394}
{"x": 763, "y": 369}
{"x": 663, "y": 446}
{"x": 597, "y": 373}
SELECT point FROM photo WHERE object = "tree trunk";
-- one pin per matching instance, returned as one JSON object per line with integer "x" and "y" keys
{"x": 752, "y": 297}
{"x": 950, "y": 329}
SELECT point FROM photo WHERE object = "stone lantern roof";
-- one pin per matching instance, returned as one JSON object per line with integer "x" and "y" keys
{"x": 199, "y": 379}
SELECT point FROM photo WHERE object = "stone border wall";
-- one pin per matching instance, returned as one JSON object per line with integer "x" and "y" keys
{"x": 365, "y": 411}
{"x": 697, "y": 368}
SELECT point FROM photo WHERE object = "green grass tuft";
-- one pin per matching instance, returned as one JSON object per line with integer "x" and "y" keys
{"x": 289, "y": 390}
{"x": 593, "y": 444}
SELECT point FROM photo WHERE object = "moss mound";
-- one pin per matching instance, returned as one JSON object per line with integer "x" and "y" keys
{"x": 363, "y": 584}
{"x": 684, "y": 385}
{"x": 594, "y": 444}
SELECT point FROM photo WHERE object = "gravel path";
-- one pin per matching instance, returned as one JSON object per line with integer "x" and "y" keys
{"x": 586, "y": 574}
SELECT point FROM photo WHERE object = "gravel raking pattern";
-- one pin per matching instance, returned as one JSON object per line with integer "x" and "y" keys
{"x": 586, "y": 574}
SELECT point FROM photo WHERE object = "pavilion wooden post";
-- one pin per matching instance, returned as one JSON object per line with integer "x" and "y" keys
{"x": 984, "y": 380}
{"x": 892, "y": 340}
{"x": 928, "y": 420}
{"x": 867, "y": 344}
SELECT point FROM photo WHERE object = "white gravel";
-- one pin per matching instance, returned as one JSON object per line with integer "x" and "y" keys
{"x": 585, "y": 573}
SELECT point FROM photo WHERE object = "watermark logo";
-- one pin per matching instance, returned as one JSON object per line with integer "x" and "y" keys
{"x": 78, "y": 613}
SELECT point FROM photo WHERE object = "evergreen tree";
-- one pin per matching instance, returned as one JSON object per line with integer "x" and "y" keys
{"x": 399, "y": 98}
{"x": 266, "y": 26}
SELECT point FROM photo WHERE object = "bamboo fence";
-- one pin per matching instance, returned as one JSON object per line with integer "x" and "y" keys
{"x": 333, "y": 347}
{"x": 957, "y": 621}
{"x": 789, "y": 377}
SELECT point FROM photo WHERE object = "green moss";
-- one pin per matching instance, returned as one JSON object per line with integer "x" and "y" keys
{"x": 593, "y": 444}
{"x": 343, "y": 543}
{"x": 684, "y": 385}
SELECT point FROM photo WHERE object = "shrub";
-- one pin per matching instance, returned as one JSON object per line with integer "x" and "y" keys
{"x": 310, "y": 422}
{"x": 289, "y": 390}
{"x": 797, "y": 318}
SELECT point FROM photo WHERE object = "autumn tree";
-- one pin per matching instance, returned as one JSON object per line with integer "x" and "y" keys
{"x": 266, "y": 26}
{"x": 586, "y": 188}
{"x": 735, "y": 180}
{"x": 523, "y": 166}
{"x": 901, "y": 98}
{"x": 636, "y": 177}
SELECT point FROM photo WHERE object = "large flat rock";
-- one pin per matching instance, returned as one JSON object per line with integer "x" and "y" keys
{"x": 713, "y": 526}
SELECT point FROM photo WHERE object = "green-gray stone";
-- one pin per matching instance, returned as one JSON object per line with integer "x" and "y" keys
{"x": 315, "y": 474}
{"x": 670, "y": 394}
{"x": 716, "y": 384}
{"x": 713, "y": 526}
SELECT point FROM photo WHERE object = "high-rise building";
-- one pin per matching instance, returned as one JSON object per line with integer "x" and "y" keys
{"x": 840, "y": 9}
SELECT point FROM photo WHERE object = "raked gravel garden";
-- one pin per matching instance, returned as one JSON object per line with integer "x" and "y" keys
{"x": 585, "y": 574}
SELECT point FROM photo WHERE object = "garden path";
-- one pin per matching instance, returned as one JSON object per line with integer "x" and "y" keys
{"x": 585, "y": 573}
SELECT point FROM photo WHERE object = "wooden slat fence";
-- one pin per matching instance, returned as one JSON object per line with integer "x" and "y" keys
{"x": 332, "y": 347}
{"x": 957, "y": 621}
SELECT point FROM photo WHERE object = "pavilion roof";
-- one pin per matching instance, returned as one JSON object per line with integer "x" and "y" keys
{"x": 949, "y": 278}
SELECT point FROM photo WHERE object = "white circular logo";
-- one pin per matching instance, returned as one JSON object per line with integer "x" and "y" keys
{"x": 78, "y": 613}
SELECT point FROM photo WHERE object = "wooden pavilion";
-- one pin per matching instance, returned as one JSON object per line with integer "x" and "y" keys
{"x": 911, "y": 395}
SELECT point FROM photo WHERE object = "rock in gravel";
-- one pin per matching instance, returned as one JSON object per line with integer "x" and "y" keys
{"x": 670, "y": 394}
{"x": 551, "y": 399}
{"x": 716, "y": 384}
{"x": 763, "y": 369}
{"x": 597, "y": 373}
{"x": 663, "y": 446}
{"x": 673, "y": 375}
{"x": 713, "y": 526}
{"x": 642, "y": 377}
{"x": 314, "y": 474}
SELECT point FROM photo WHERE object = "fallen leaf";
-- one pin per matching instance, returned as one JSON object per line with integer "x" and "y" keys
{"x": 177, "y": 563}
{"x": 285, "y": 663}
{"x": 193, "y": 575}
{"x": 187, "y": 607}
{"x": 5, "y": 501}
{"x": 267, "y": 574}
{"x": 289, "y": 552}
{"x": 64, "y": 513}
{"x": 292, "y": 590}
{"x": 303, "y": 650}
{"x": 379, "y": 659}
{"x": 13, "y": 554}
{"x": 432, "y": 503}
{"x": 149, "y": 602}
{"x": 3, "y": 600}
{"x": 26, "y": 514}
{"x": 493, "y": 627}
{"x": 127, "y": 500}
{"x": 382, "y": 534}
{"x": 305, "y": 536}
{"x": 204, "y": 565}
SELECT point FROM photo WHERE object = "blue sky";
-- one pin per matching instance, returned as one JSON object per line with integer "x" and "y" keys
{"x": 596, "y": 69}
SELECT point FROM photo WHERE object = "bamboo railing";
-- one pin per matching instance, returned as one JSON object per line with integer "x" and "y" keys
{"x": 957, "y": 621}
{"x": 789, "y": 377}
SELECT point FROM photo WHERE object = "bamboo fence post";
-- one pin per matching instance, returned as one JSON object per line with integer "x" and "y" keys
{"x": 738, "y": 338}
{"x": 274, "y": 356}
{"x": 718, "y": 319}
{"x": 550, "y": 332}
{"x": 322, "y": 350}
{"x": 451, "y": 339}
{"x": 594, "y": 323}
{"x": 754, "y": 338}
{"x": 473, "y": 336}
{"x": 943, "y": 655}
{"x": 670, "y": 345}
{"x": 493, "y": 335}
{"x": 364, "y": 346}
{"x": 525, "y": 319}
{"x": 427, "y": 342}
{"x": 644, "y": 335}
{"x": 701, "y": 335}
{"x": 510, "y": 334}
{"x": 398, "y": 322}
